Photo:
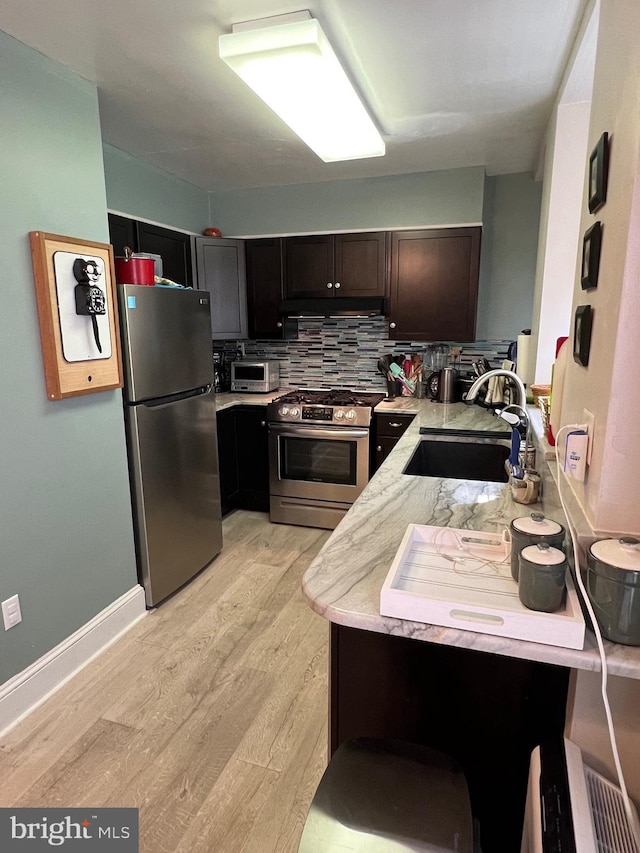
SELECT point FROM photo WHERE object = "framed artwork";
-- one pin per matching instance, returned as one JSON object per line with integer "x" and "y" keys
{"x": 582, "y": 334}
{"x": 78, "y": 315}
{"x": 598, "y": 171}
{"x": 591, "y": 256}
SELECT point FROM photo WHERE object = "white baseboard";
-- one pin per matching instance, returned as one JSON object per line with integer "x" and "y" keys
{"x": 23, "y": 693}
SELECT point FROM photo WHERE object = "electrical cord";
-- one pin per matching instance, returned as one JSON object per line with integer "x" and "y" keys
{"x": 629, "y": 810}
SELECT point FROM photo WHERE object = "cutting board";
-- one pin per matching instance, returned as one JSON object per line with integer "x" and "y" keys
{"x": 462, "y": 579}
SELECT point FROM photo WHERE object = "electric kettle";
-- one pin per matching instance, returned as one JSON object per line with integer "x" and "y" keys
{"x": 441, "y": 385}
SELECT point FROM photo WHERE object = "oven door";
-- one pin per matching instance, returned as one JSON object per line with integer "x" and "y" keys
{"x": 320, "y": 463}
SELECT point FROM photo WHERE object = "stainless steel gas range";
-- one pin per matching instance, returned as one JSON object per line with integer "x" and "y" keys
{"x": 318, "y": 454}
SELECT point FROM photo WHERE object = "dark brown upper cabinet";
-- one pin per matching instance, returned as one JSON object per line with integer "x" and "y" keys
{"x": 122, "y": 232}
{"x": 335, "y": 265}
{"x": 174, "y": 247}
{"x": 434, "y": 284}
{"x": 265, "y": 290}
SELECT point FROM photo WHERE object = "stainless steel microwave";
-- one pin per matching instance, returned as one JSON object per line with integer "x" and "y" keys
{"x": 257, "y": 377}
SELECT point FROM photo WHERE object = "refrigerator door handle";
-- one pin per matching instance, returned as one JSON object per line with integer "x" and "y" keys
{"x": 174, "y": 398}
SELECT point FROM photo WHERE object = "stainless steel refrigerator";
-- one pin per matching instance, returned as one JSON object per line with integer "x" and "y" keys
{"x": 170, "y": 420}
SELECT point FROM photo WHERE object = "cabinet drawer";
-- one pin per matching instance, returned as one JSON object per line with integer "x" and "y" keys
{"x": 392, "y": 425}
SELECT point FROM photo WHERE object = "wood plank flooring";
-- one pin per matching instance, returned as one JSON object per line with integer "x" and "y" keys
{"x": 209, "y": 716}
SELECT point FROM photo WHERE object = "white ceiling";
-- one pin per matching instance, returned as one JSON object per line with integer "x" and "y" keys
{"x": 450, "y": 83}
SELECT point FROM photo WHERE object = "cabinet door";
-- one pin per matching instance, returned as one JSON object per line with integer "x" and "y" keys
{"x": 174, "y": 247}
{"x": 382, "y": 448}
{"x": 228, "y": 459}
{"x": 264, "y": 287}
{"x": 434, "y": 284}
{"x": 308, "y": 263}
{"x": 122, "y": 232}
{"x": 253, "y": 457}
{"x": 221, "y": 271}
{"x": 360, "y": 267}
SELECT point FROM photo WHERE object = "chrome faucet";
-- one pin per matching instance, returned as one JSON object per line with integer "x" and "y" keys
{"x": 485, "y": 377}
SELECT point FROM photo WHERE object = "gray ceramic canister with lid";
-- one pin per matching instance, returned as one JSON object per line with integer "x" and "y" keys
{"x": 542, "y": 577}
{"x": 613, "y": 585}
{"x": 529, "y": 530}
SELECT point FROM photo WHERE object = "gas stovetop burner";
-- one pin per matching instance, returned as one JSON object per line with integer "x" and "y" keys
{"x": 331, "y": 397}
{"x": 340, "y": 407}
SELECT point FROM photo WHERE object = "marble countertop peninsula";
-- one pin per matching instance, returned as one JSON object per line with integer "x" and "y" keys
{"x": 343, "y": 582}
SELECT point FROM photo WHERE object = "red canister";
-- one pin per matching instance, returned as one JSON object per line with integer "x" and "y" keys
{"x": 133, "y": 270}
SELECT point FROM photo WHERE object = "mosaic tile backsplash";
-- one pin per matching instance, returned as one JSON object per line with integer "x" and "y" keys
{"x": 343, "y": 353}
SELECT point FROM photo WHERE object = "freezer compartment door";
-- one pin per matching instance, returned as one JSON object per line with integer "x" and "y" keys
{"x": 173, "y": 458}
{"x": 166, "y": 340}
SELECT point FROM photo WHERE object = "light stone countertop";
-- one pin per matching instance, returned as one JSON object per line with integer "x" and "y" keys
{"x": 456, "y": 416}
{"x": 227, "y": 399}
{"x": 343, "y": 582}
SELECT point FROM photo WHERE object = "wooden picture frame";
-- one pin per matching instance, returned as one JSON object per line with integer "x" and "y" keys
{"x": 78, "y": 315}
{"x": 598, "y": 173}
{"x": 591, "y": 244}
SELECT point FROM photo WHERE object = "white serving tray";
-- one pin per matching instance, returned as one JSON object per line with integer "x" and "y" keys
{"x": 462, "y": 579}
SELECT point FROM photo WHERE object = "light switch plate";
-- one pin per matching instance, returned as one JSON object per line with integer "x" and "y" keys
{"x": 11, "y": 614}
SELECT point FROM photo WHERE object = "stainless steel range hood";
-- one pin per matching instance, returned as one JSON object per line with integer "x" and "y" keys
{"x": 333, "y": 306}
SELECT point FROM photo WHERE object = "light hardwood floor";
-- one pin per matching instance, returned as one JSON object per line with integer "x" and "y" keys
{"x": 209, "y": 716}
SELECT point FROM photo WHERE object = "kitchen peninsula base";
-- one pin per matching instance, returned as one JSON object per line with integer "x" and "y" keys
{"x": 486, "y": 711}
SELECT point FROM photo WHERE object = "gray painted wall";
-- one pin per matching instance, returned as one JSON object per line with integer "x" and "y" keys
{"x": 66, "y": 541}
{"x": 396, "y": 201}
{"x": 508, "y": 261}
{"x": 144, "y": 192}
{"x": 507, "y": 205}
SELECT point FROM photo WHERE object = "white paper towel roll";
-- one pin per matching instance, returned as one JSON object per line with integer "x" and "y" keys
{"x": 523, "y": 362}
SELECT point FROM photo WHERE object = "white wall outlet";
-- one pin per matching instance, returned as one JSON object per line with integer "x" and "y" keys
{"x": 11, "y": 614}
{"x": 590, "y": 420}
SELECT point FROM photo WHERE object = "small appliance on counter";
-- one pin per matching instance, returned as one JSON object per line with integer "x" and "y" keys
{"x": 442, "y": 385}
{"x": 255, "y": 377}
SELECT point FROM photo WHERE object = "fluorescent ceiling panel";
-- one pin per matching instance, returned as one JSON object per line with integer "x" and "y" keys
{"x": 293, "y": 68}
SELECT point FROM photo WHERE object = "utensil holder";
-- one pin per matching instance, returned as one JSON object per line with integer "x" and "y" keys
{"x": 394, "y": 389}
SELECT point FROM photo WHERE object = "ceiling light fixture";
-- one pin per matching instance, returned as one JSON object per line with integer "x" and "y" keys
{"x": 289, "y": 63}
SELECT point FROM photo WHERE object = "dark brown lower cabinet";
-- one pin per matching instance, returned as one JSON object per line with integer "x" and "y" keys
{"x": 253, "y": 457}
{"x": 434, "y": 284}
{"x": 387, "y": 429}
{"x": 487, "y": 711}
{"x": 243, "y": 452}
{"x": 228, "y": 460}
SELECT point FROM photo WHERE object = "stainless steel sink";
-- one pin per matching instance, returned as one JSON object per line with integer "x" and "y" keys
{"x": 460, "y": 457}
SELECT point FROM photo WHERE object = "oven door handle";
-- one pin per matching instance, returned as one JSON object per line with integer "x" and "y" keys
{"x": 317, "y": 432}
